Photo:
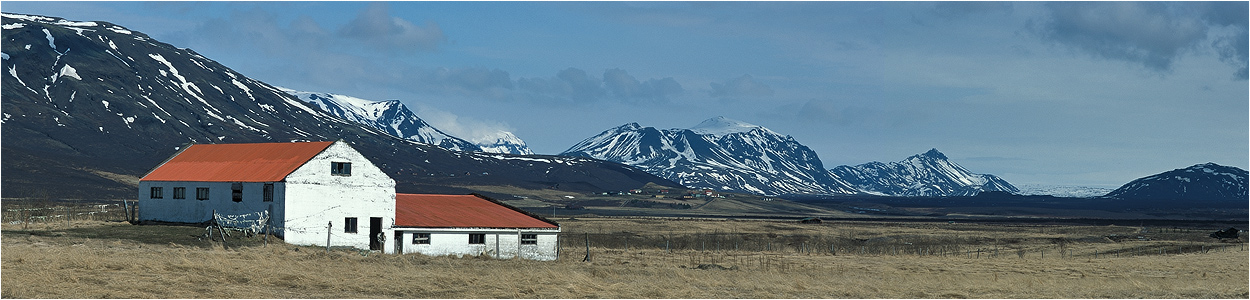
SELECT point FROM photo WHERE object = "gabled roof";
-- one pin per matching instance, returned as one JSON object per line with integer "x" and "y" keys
{"x": 260, "y": 162}
{"x": 461, "y": 211}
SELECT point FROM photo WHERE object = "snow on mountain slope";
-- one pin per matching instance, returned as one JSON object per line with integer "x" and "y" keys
{"x": 85, "y": 103}
{"x": 927, "y": 174}
{"x": 721, "y": 126}
{"x": 719, "y": 153}
{"x": 1202, "y": 182}
{"x": 397, "y": 120}
{"x": 503, "y": 142}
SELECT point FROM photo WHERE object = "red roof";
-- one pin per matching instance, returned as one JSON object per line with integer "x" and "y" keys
{"x": 261, "y": 162}
{"x": 462, "y": 211}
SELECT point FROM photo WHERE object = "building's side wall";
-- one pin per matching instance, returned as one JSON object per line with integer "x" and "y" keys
{"x": 316, "y": 198}
{"x": 499, "y": 243}
{"x": 192, "y": 210}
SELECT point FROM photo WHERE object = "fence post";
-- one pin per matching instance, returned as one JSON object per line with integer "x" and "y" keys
{"x": 587, "y": 248}
{"x": 219, "y": 229}
{"x": 329, "y": 227}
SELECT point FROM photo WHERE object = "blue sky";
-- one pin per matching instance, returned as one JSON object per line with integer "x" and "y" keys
{"x": 1071, "y": 93}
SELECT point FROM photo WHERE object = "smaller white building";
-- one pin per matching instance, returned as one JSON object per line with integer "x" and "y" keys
{"x": 471, "y": 225}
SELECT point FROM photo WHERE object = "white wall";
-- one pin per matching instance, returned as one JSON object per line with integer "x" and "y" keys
{"x": 455, "y": 241}
{"x": 315, "y": 197}
{"x": 191, "y": 210}
{"x": 303, "y": 204}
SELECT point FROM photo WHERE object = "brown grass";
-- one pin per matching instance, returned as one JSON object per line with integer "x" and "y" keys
{"x": 117, "y": 260}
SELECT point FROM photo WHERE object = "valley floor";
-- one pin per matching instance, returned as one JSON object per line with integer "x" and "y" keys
{"x": 91, "y": 259}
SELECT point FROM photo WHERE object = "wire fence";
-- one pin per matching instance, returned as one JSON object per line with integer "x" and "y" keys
{"x": 740, "y": 243}
{"x": 67, "y": 213}
{"x": 708, "y": 242}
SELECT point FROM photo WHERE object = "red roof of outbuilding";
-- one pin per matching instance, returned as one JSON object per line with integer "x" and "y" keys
{"x": 462, "y": 211}
{"x": 261, "y": 162}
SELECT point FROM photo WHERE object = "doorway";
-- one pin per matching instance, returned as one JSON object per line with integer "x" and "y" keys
{"x": 399, "y": 242}
{"x": 375, "y": 233}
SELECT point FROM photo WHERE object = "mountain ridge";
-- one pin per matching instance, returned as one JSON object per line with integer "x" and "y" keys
{"x": 730, "y": 155}
{"x": 922, "y": 175}
{"x": 396, "y": 119}
{"x": 718, "y": 153}
{"x": 1207, "y": 182}
{"x": 86, "y": 103}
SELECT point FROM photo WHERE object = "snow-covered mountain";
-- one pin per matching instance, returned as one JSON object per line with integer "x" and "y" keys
{"x": 926, "y": 174}
{"x": 503, "y": 142}
{"x": 87, "y": 105}
{"x": 397, "y": 120}
{"x": 719, "y": 153}
{"x": 1207, "y": 182}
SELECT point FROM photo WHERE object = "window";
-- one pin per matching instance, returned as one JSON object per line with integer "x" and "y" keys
{"x": 477, "y": 238}
{"x": 236, "y": 192}
{"x": 341, "y": 168}
{"x": 349, "y": 225}
{"x": 156, "y": 193}
{"x": 267, "y": 195}
{"x": 529, "y": 239}
{"x": 180, "y": 193}
{"x": 421, "y": 238}
{"x": 201, "y": 193}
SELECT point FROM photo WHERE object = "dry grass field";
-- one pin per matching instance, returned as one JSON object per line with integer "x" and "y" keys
{"x": 88, "y": 259}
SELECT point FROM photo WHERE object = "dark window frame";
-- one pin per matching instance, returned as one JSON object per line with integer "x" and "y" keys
{"x": 202, "y": 193}
{"x": 349, "y": 225}
{"x": 529, "y": 239}
{"x": 157, "y": 193}
{"x": 267, "y": 193}
{"x": 341, "y": 168}
{"x": 421, "y": 238}
{"x": 477, "y": 239}
{"x": 236, "y": 192}
{"x": 180, "y": 192}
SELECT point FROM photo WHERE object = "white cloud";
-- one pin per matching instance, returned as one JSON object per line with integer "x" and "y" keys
{"x": 623, "y": 85}
{"x": 744, "y": 86}
{"x": 1153, "y": 34}
{"x": 576, "y": 86}
{"x": 376, "y": 26}
{"x": 467, "y": 128}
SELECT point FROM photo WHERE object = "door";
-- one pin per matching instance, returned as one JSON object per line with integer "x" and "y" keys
{"x": 399, "y": 242}
{"x": 376, "y": 239}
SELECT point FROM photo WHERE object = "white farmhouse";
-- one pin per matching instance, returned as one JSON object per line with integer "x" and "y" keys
{"x": 313, "y": 189}
{"x": 471, "y": 225}
{"x": 308, "y": 189}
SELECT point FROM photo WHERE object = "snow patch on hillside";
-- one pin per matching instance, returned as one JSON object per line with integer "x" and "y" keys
{"x": 1070, "y": 191}
{"x": 721, "y": 126}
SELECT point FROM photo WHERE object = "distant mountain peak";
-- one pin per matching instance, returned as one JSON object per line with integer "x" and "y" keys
{"x": 934, "y": 153}
{"x": 1201, "y": 182}
{"x": 721, "y": 126}
{"x": 392, "y": 117}
{"x": 715, "y": 154}
{"x": 925, "y": 174}
{"x": 629, "y": 126}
